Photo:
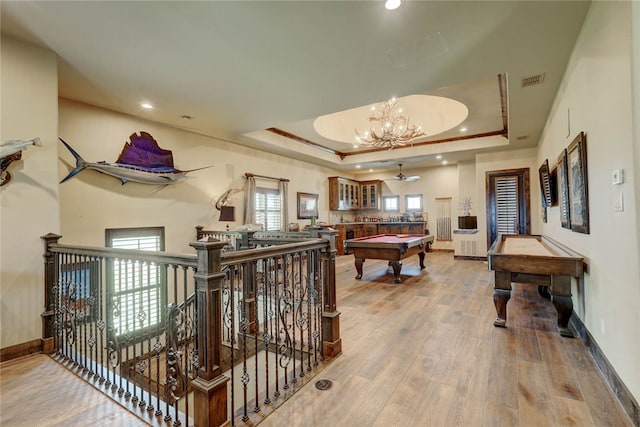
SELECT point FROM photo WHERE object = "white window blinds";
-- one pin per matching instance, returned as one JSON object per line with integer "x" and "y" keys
{"x": 268, "y": 207}
{"x": 507, "y": 204}
{"x": 136, "y": 288}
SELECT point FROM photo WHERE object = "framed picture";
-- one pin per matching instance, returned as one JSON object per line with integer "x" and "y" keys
{"x": 577, "y": 179}
{"x": 547, "y": 185}
{"x": 563, "y": 190}
{"x": 307, "y": 205}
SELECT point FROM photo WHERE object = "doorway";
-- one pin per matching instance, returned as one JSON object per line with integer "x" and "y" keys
{"x": 508, "y": 209}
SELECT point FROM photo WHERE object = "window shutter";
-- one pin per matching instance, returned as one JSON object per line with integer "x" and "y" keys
{"x": 136, "y": 287}
{"x": 507, "y": 205}
{"x": 268, "y": 209}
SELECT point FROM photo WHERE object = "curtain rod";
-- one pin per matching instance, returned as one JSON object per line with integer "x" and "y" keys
{"x": 249, "y": 175}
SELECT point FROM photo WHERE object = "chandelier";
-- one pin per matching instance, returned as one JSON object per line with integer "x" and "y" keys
{"x": 389, "y": 128}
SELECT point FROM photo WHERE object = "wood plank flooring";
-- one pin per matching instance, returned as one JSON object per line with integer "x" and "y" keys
{"x": 423, "y": 352}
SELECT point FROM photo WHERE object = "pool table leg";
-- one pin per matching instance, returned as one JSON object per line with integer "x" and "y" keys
{"x": 421, "y": 255}
{"x": 501, "y": 295}
{"x": 561, "y": 299}
{"x": 397, "y": 266}
{"x": 359, "y": 262}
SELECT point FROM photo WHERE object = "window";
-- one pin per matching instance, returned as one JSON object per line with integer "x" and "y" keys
{"x": 507, "y": 205}
{"x": 136, "y": 289}
{"x": 391, "y": 203}
{"x": 268, "y": 209}
{"x": 413, "y": 202}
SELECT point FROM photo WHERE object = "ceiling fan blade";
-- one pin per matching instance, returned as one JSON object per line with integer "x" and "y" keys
{"x": 411, "y": 178}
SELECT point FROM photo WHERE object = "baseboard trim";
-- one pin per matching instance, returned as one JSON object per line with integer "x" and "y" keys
{"x": 470, "y": 257}
{"x": 40, "y": 345}
{"x": 620, "y": 390}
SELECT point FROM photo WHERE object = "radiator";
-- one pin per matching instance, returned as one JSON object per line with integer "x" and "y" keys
{"x": 443, "y": 219}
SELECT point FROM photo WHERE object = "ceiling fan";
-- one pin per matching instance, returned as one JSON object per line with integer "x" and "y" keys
{"x": 403, "y": 177}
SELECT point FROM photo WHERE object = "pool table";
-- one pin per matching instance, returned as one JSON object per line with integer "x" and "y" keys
{"x": 538, "y": 260}
{"x": 392, "y": 247}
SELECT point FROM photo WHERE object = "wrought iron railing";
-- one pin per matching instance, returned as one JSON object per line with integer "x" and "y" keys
{"x": 164, "y": 333}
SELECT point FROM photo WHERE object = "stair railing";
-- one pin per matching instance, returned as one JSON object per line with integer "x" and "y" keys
{"x": 198, "y": 331}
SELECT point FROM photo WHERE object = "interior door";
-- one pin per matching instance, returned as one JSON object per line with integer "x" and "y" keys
{"x": 508, "y": 209}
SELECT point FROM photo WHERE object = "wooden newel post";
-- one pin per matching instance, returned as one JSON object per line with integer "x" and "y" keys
{"x": 331, "y": 341}
{"x": 50, "y": 280}
{"x": 210, "y": 387}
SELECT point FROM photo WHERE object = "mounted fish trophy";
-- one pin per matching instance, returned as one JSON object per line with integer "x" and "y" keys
{"x": 10, "y": 152}
{"x": 141, "y": 160}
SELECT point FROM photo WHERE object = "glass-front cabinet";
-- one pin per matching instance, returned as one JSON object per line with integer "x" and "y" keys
{"x": 348, "y": 194}
{"x": 370, "y": 194}
{"x": 344, "y": 194}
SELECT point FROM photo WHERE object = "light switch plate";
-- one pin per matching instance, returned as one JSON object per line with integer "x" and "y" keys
{"x": 617, "y": 176}
{"x": 618, "y": 204}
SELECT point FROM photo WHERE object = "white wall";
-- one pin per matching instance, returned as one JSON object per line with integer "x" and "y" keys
{"x": 91, "y": 202}
{"x": 597, "y": 90}
{"x": 29, "y": 202}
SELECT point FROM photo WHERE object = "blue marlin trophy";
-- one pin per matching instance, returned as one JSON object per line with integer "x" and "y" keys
{"x": 141, "y": 160}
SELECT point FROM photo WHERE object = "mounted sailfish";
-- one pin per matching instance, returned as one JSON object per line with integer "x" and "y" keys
{"x": 141, "y": 160}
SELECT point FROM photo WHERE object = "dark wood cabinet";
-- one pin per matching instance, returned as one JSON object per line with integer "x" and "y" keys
{"x": 344, "y": 194}
{"x": 370, "y": 194}
{"x": 364, "y": 229}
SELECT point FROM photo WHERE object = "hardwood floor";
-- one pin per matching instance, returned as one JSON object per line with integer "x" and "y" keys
{"x": 36, "y": 391}
{"x": 423, "y": 352}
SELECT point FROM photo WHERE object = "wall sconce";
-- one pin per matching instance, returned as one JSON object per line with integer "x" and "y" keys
{"x": 228, "y": 214}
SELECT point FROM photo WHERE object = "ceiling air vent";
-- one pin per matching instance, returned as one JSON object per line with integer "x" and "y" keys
{"x": 522, "y": 138}
{"x": 536, "y": 79}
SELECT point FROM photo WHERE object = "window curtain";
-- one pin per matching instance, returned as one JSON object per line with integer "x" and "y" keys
{"x": 250, "y": 201}
{"x": 283, "y": 188}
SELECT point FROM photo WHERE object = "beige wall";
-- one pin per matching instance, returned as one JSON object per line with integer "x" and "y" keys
{"x": 91, "y": 202}
{"x": 515, "y": 159}
{"x": 597, "y": 91}
{"x": 29, "y": 202}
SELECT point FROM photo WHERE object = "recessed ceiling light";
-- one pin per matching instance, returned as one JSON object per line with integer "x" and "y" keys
{"x": 370, "y": 170}
{"x": 146, "y": 106}
{"x": 358, "y": 166}
{"x": 392, "y": 4}
{"x": 444, "y": 162}
{"x": 438, "y": 157}
{"x": 463, "y": 129}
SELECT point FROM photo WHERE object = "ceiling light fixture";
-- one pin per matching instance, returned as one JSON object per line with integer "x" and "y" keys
{"x": 389, "y": 128}
{"x": 392, "y": 4}
{"x": 146, "y": 106}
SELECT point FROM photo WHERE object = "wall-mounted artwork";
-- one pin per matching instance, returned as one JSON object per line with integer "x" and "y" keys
{"x": 547, "y": 185}
{"x": 307, "y": 205}
{"x": 563, "y": 190}
{"x": 578, "y": 188}
{"x": 11, "y": 151}
{"x": 141, "y": 160}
